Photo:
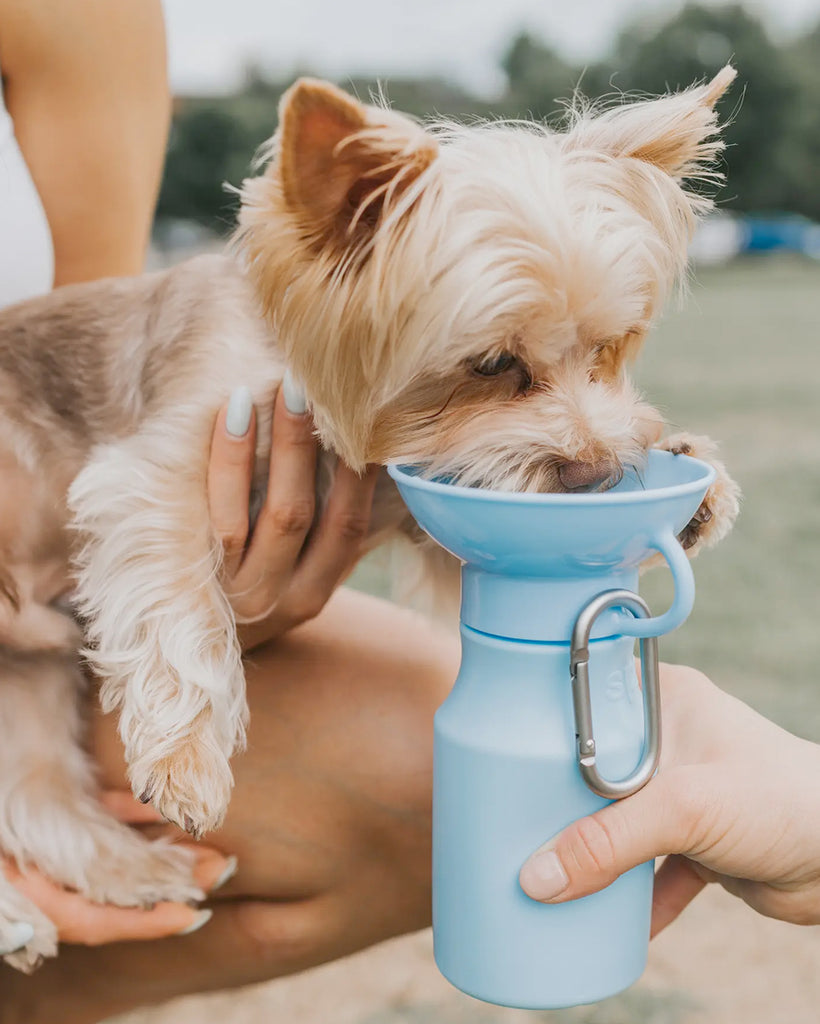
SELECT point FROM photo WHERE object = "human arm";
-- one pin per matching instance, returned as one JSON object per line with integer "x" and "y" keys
{"x": 86, "y": 86}
{"x": 736, "y": 801}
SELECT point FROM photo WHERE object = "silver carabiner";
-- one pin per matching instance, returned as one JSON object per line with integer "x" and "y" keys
{"x": 579, "y": 669}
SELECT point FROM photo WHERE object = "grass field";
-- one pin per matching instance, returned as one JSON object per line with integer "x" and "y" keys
{"x": 740, "y": 362}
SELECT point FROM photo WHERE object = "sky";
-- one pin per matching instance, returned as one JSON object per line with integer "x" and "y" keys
{"x": 210, "y": 41}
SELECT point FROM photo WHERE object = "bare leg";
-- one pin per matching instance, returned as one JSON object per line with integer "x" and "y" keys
{"x": 330, "y": 820}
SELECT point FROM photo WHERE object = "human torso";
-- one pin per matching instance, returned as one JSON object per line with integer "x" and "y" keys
{"x": 26, "y": 252}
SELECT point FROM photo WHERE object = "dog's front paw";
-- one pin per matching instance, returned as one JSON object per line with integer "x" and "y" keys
{"x": 191, "y": 785}
{"x": 129, "y": 871}
{"x": 719, "y": 508}
{"x": 19, "y": 916}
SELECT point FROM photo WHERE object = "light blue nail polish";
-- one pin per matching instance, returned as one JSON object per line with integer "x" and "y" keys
{"x": 17, "y": 935}
{"x": 295, "y": 400}
{"x": 240, "y": 408}
{"x": 201, "y": 919}
{"x": 230, "y": 870}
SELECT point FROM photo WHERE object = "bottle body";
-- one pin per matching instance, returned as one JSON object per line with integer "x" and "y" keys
{"x": 506, "y": 780}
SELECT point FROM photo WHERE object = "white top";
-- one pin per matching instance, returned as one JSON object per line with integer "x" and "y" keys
{"x": 26, "y": 252}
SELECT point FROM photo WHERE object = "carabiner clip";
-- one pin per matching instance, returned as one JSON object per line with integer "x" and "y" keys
{"x": 579, "y": 669}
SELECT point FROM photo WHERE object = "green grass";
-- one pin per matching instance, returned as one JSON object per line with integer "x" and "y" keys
{"x": 740, "y": 361}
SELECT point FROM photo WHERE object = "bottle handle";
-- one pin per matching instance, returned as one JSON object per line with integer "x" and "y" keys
{"x": 650, "y": 687}
{"x": 681, "y": 568}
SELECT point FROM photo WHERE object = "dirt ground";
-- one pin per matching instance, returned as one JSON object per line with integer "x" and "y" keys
{"x": 720, "y": 964}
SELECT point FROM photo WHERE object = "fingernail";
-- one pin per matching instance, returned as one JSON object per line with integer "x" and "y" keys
{"x": 230, "y": 870}
{"x": 295, "y": 400}
{"x": 240, "y": 409}
{"x": 543, "y": 876}
{"x": 201, "y": 919}
{"x": 20, "y": 934}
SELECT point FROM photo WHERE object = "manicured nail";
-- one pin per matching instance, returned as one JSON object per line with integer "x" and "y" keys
{"x": 19, "y": 934}
{"x": 240, "y": 409}
{"x": 543, "y": 876}
{"x": 295, "y": 400}
{"x": 230, "y": 870}
{"x": 201, "y": 919}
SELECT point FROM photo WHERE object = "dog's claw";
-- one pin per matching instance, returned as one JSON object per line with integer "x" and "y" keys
{"x": 191, "y": 827}
{"x": 690, "y": 534}
{"x": 145, "y": 796}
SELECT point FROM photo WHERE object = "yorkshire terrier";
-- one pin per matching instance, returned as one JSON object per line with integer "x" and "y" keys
{"x": 462, "y": 298}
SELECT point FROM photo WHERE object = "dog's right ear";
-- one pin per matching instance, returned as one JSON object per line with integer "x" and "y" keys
{"x": 343, "y": 164}
{"x": 677, "y": 133}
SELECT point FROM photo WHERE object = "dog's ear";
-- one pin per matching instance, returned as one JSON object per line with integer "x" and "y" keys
{"x": 676, "y": 133}
{"x": 342, "y": 164}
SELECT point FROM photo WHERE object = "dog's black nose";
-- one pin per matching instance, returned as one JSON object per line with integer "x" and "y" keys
{"x": 586, "y": 476}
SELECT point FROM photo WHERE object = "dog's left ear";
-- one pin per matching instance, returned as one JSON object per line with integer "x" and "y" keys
{"x": 676, "y": 133}
{"x": 343, "y": 164}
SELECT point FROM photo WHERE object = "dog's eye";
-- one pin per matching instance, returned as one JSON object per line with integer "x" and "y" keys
{"x": 492, "y": 366}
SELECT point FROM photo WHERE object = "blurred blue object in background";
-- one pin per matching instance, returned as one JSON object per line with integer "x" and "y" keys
{"x": 789, "y": 232}
{"x": 724, "y": 236}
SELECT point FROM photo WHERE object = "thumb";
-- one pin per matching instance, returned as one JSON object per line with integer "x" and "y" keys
{"x": 591, "y": 853}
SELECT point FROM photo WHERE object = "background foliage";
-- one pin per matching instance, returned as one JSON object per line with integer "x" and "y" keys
{"x": 773, "y": 154}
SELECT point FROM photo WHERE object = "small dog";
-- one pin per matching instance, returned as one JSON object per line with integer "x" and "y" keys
{"x": 465, "y": 298}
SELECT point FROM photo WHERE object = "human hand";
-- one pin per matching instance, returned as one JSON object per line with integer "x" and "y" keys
{"x": 278, "y": 580}
{"x": 80, "y": 921}
{"x": 736, "y": 801}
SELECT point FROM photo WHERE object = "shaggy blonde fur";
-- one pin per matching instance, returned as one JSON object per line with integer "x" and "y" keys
{"x": 463, "y": 298}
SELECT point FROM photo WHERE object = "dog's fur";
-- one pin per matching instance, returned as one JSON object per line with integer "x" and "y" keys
{"x": 462, "y": 298}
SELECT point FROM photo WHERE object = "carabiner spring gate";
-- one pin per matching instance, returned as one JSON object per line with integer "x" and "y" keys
{"x": 579, "y": 669}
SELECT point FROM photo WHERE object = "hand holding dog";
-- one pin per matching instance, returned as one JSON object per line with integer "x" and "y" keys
{"x": 736, "y": 801}
{"x": 86, "y": 923}
{"x": 283, "y": 577}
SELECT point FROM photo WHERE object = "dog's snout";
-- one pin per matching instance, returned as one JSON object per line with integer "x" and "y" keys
{"x": 586, "y": 476}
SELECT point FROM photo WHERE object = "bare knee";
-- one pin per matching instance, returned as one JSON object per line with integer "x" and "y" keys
{"x": 281, "y": 937}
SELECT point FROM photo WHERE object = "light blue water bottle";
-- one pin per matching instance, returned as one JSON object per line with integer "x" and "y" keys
{"x": 546, "y": 722}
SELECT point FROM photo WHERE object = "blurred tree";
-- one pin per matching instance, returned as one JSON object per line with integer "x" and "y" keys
{"x": 204, "y": 140}
{"x": 800, "y": 159}
{"x": 693, "y": 45}
{"x": 538, "y": 79}
{"x": 422, "y": 97}
{"x": 213, "y": 143}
